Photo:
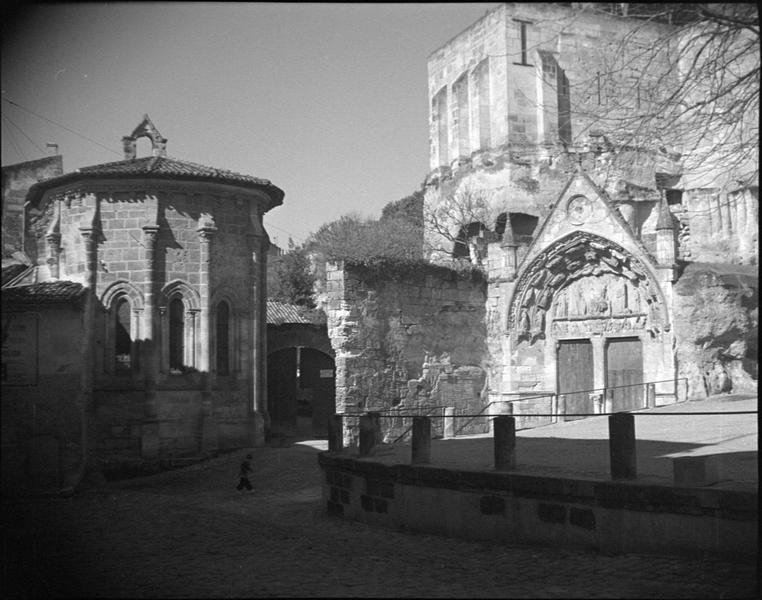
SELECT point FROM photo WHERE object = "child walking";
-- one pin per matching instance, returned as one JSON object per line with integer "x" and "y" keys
{"x": 244, "y": 473}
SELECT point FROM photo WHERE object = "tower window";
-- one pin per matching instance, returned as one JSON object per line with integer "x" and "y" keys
{"x": 482, "y": 85}
{"x": 523, "y": 42}
{"x": 439, "y": 114}
{"x": 460, "y": 90}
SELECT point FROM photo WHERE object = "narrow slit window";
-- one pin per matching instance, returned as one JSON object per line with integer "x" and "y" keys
{"x": 176, "y": 334}
{"x": 123, "y": 339}
{"x": 482, "y": 79}
{"x": 223, "y": 339}
{"x": 439, "y": 106}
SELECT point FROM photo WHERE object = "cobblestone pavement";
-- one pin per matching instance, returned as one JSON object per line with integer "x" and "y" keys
{"x": 188, "y": 533}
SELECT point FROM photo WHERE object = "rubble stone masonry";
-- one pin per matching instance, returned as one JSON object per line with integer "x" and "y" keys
{"x": 409, "y": 342}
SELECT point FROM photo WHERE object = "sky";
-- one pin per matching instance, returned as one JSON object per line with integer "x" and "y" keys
{"x": 327, "y": 101}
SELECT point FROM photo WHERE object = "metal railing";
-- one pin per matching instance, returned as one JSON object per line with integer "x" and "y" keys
{"x": 622, "y": 440}
{"x": 427, "y": 414}
{"x": 556, "y": 401}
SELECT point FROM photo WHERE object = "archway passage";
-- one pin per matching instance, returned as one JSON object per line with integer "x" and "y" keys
{"x": 301, "y": 393}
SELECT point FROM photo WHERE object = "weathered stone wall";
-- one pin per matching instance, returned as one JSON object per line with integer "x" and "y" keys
{"x": 579, "y": 42}
{"x": 189, "y": 411}
{"x": 406, "y": 339}
{"x": 716, "y": 319}
{"x": 716, "y": 226}
{"x": 41, "y": 416}
{"x": 17, "y": 179}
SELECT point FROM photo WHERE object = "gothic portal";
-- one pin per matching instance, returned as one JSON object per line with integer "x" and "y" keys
{"x": 585, "y": 311}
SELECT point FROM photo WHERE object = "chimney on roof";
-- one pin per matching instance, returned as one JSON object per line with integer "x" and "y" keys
{"x": 52, "y": 148}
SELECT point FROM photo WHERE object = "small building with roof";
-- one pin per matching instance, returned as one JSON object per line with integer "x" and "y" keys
{"x": 162, "y": 264}
{"x": 301, "y": 372}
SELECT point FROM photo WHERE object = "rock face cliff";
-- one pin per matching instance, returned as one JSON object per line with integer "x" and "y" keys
{"x": 716, "y": 313}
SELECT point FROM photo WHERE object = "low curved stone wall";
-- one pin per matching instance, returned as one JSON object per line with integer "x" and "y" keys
{"x": 607, "y": 516}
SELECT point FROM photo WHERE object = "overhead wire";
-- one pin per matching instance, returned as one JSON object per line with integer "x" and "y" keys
{"x": 31, "y": 141}
{"x": 84, "y": 137}
{"x": 298, "y": 238}
{"x": 12, "y": 137}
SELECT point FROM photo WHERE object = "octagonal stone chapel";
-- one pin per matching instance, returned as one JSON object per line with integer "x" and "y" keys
{"x": 164, "y": 346}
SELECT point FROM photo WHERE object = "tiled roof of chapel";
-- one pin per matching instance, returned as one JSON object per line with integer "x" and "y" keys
{"x": 160, "y": 167}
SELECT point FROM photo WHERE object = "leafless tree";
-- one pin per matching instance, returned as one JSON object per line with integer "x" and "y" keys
{"x": 691, "y": 92}
{"x": 460, "y": 224}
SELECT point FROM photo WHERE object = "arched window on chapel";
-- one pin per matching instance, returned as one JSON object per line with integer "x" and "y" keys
{"x": 176, "y": 334}
{"x": 122, "y": 337}
{"x": 223, "y": 338}
{"x": 123, "y": 304}
{"x": 179, "y": 308}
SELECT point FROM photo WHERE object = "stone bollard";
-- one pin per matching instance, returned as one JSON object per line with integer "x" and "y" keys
{"x": 622, "y": 446}
{"x": 449, "y": 422}
{"x": 562, "y": 404}
{"x": 596, "y": 400}
{"x": 505, "y": 443}
{"x": 554, "y": 408}
{"x": 650, "y": 395}
{"x": 376, "y": 418}
{"x": 335, "y": 433}
{"x": 608, "y": 400}
{"x": 421, "y": 440}
{"x": 369, "y": 432}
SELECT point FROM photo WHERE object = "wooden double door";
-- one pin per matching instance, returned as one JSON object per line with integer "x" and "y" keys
{"x": 623, "y": 364}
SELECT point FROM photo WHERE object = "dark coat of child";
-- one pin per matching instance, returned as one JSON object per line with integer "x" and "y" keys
{"x": 244, "y": 473}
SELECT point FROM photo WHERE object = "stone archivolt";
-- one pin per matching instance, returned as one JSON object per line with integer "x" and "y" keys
{"x": 585, "y": 283}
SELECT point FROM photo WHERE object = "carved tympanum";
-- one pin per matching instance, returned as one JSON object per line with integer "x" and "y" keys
{"x": 585, "y": 277}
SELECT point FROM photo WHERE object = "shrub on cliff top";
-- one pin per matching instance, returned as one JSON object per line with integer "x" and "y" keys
{"x": 355, "y": 239}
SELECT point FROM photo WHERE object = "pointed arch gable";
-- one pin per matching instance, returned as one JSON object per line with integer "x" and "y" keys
{"x": 579, "y": 185}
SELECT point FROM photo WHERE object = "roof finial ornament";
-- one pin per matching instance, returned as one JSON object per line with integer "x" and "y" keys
{"x": 146, "y": 128}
